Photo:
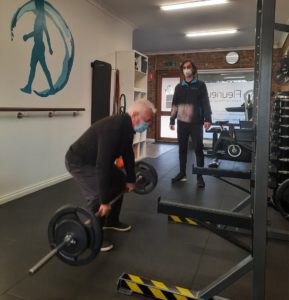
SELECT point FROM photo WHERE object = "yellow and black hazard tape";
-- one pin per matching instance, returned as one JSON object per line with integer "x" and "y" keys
{"x": 182, "y": 220}
{"x": 129, "y": 284}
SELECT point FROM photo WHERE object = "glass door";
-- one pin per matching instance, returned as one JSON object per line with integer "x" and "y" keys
{"x": 230, "y": 92}
{"x": 167, "y": 81}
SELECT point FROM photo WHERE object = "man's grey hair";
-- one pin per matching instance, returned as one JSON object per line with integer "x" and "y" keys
{"x": 141, "y": 106}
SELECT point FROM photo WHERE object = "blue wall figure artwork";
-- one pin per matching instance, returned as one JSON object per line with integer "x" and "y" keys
{"x": 43, "y": 9}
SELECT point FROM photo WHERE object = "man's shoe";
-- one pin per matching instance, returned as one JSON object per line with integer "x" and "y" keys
{"x": 179, "y": 177}
{"x": 106, "y": 246}
{"x": 117, "y": 226}
{"x": 200, "y": 181}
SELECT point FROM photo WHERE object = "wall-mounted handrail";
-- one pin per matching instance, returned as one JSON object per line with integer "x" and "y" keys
{"x": 51, "y": 110}
{"x": 40, "y": 109}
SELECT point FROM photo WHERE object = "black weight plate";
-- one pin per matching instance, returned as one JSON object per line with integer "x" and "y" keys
{"x": 285, "y": 120}
{"x": 285, "y": 110}
{"x": 146, "y": 178}
{"x": 282, "y": 176}
{"x": 284, "y": 129}
{"x": 282, "y": 198}
{"x": 284, "y": 140}
{"x": 283, "y": 164}
{"x": 283, "y": 96}
{"x": 79, "y": 237}
{"x": 284, "y": 102}
{"x": 92, "y": 238}
{"x": 283, "y": 152}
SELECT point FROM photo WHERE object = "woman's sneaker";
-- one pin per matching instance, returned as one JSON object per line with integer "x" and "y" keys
{"x": 179, "y": 177}
{"x": 200, "y": 181}
{"x": 106, "y": 246}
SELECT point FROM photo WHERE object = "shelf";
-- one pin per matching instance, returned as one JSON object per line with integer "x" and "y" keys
{"x": 140, "y": 90}
{"x": 139, "y": 73}
{"x": 133, "y": 67}
{"x": 141, "y": 63}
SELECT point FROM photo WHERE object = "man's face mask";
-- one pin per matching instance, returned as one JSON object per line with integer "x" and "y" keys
{"x": 141, "y": 127}
{"x": 188, "y": 72}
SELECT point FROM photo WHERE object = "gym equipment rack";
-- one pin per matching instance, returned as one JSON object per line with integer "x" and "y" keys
{"x": 256, "y": 221}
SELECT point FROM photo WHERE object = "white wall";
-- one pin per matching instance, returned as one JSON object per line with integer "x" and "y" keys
{"x": 32, "y": 149}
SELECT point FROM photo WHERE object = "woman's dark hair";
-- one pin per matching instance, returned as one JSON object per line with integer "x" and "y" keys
{"x": 195, "y": 69}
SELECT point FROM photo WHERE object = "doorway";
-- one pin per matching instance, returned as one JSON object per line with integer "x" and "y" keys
{"x": 228, "y": 89}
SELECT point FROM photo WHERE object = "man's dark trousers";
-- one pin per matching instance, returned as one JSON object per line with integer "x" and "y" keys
{"x": 195, "y": 131}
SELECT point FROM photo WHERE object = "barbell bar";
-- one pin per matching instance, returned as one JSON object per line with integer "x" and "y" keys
{"x": 75, "y": 235}
{"x": 67, "y": 240}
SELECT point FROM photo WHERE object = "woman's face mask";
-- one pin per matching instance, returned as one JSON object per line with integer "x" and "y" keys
{"x": 188, "y": 72}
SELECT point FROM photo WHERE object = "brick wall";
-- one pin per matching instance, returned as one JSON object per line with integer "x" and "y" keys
{"x": 203, "y": 60}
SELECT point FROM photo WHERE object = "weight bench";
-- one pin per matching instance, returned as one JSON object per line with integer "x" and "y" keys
{"x": 238, "y": 170}
{"x": 230, "y": 169}
{"x": 232, "y": 173}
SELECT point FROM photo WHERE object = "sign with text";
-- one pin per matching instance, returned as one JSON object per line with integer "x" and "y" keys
{"x": 223, "y": 95}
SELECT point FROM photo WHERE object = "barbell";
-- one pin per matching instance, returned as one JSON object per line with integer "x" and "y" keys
{"x": 75, "y": 235}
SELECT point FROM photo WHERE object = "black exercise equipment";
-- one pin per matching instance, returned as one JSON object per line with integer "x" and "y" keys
{"x": 75, "y": 234}
{"x": 281, "y": 198}
{"x": 279, "y": 153}
{"x": 100, "y": 98}
{"x": 232, "y": 143}
{"x": 83, "y": 238}
{"x": 282, "y": 74}
{"x": 146, "y": 178}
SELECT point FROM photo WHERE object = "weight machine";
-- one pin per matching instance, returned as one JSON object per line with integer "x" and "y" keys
{"x": 232, "y": 143}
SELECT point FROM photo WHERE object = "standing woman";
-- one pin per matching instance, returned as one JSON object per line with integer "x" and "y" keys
{"x": 191, "y": 107}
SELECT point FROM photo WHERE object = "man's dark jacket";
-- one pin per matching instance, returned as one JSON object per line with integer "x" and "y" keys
{"x": 100, "y": 145}
{"x": 195, "y": 94}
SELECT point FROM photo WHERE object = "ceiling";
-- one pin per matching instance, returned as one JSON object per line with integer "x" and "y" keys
{"x": 159, "y": 31}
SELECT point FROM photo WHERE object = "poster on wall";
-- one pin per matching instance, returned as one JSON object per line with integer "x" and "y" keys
{"x": 42, "y": 10}
{"x": 224, "y": 95}
{"x": 168, "y": 89}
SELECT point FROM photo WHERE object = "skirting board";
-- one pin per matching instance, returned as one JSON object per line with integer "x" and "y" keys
{"x": 33, "y": 188}
{"x": 150, "y": 140}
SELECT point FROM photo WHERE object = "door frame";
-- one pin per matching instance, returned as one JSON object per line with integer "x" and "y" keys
{"x": 160, "y": 76}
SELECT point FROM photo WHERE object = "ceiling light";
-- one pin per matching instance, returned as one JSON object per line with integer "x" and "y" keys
{"x": 193, "y": 4}
{"x": 208, "y": 33}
